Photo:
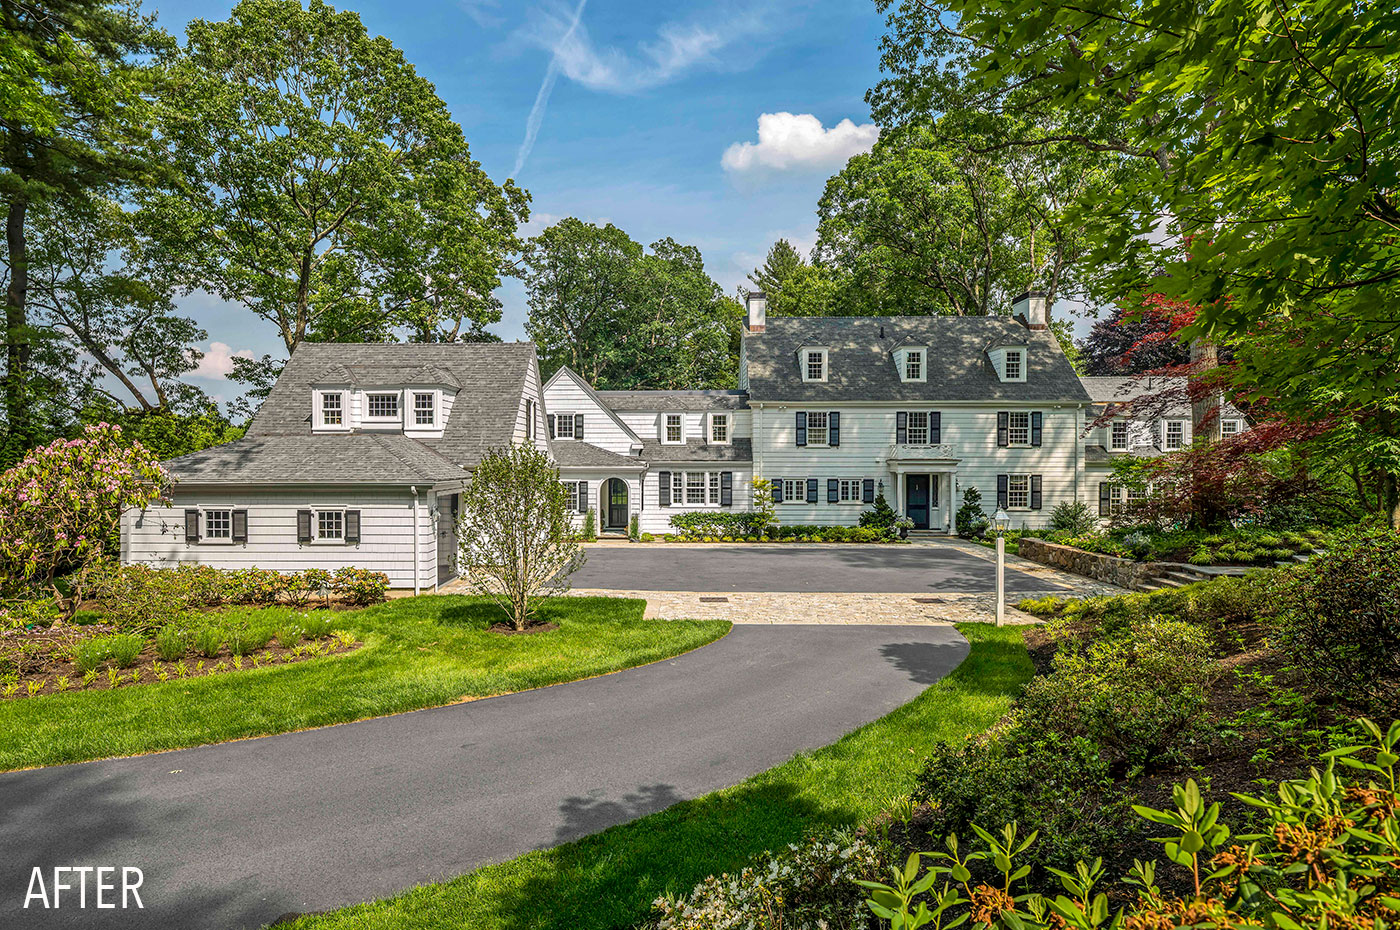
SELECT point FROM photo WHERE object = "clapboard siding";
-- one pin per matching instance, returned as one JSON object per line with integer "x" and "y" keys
{"x": 567, "y": 396}
{"x": 657, "y": 519}
{"x": 156, "y": 536}
{"x": 532, "y": 390}
{"x": 647, "y": 423}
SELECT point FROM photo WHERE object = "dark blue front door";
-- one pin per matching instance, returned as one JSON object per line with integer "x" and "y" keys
{"x": 916, "y": 500}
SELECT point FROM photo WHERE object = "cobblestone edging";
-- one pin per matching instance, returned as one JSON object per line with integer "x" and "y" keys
{"x": 1122, "y": 572}
{"x": 844, "y": 609}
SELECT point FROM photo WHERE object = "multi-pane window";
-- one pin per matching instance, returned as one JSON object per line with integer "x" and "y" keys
{"x": 383, "y": 406}
{"x": 218, "y": 524}
{"x": 1014, "y": 364}
{"x": 333, "y": 409}
{"x": 564, "y": 426}
{"x": 1118, "y": 435}
{"x": 918, "y": 428}
{"x": 529, "y": 419}
{"x": 850, "y": 490}
{"x": 1018, "y": 428}
{"x": 1174, "y": 435}
{"x": 675, "y": 428}
{"x": 695, "y": 487}
{"x": 1229, "y": 427}
{"x": 816, "y": 429}
{"x": 424, "y": 409}
{"x": 330, "y": 524}
{"x": 1018, "y": 491}
{"x": 1136, "y": 495}
{"x": 913, "y": 365}
{"x": 816, "y": 365}
{"x": 719, "y": 427}
{"x": 677, "y": 487}
{"x": 571, "y": 493}
{"x": 714, "y": 487}
{"x": 794, "y": 490}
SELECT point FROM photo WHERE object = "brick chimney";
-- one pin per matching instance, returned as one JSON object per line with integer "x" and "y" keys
{"x": 756, "y": 302}
{"x": 1032, "y": 310}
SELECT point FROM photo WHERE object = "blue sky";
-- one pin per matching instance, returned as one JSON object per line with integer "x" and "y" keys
{"x": 649, "y": 118}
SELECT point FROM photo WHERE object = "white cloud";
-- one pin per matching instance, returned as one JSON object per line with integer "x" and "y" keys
{"x": 218, "y": 360}
{"x": 797, "y": 141}
{"x": 485, "y": 13}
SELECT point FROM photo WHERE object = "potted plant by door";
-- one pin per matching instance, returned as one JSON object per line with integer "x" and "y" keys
{"x": 903, "y": 525}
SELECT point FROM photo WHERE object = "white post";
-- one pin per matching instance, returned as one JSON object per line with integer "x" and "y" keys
{"x": 1001, "y": 579}
{"x": 417, "y": 531}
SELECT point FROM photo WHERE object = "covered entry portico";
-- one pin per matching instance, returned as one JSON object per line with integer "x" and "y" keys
{"x": 923, "y": 484}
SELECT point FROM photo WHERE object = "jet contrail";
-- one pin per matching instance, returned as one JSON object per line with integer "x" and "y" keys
{"x": 551, "y": 74}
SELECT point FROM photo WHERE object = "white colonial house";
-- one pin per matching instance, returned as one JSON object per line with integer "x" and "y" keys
{"x": 360, "y": 452}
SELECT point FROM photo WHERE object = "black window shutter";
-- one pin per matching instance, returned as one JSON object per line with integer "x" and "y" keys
{"x": 777, "y": 486}
{"x": 1035, "y": 492}
{"x": 811, "y": 490}
{"x": 583, "y": 496}
{"x": 935, "y": 428}
{"x": 801, "y": 427}
{"x": 1001, "y": 492}
{"x": 833, "y": 431}
{"x": 192, "y": 526}
{"x": 1003, "y": 428}
{"x": 578, "y": 426}
{"x": 663, "y": 488}
{"x": 726, "y": 489}
{"x": 1105, "y": 498}
{"x": 352, "y": 526}
{"x": 833, "y": 491}
{"x": 240, "y": 526}
{"x": 550, "y": 418}
{"x": 868, "y": 490}
{"x": 901, "y": 427}
{"x": 1035, "y": 428}
{"x": 303, "y": 526}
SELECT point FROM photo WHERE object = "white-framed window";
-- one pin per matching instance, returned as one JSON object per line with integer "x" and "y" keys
{"x": 332, "y": 408}
{"x": 914, "y": 365}
{"x": 1018, "y": 428}
{"x": 563, "y": 426}
{"x": 529, "y": 418}
{"x": 1018, "y": 492}
{"x": 814, "y": 365}
{"x": 218, "y": 524}
{"x": 330, "y": 525}
{"x": 918, "y": 428}
{"x": 1135, "y": 495}
{"x": 719, "y": 428}
{"x": 382, "y": 406}
{"x": 1015, "y": 365}
{"x": 1231, "y": 427}
{"x": 673, "y": 429}
{"x": 794, "y": 490}
{"x": 1173, "y": 434}
{"x": 850, "y": 490}
{"x": 677, "y": 487}
{"x": 571, "y": 493}
{"x": 695, "y": 487}
{"x": 1118, "y": 436}
{"x": 424, "y": 408}
{"x": 817, "y": 433}
{"x": 714, "y": 487}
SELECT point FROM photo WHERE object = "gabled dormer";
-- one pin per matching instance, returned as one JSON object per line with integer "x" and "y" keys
{"x": 412, "y": 401}
{"x": 1010, "y": 360}
{"x": 911, "y": 362}
{"x": 814, "y": 363}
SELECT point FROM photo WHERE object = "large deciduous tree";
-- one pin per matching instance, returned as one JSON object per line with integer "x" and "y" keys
{"x": 1134, "y": 340}
{"x": 325, "y": 182}
{"x": 75, "y": 81}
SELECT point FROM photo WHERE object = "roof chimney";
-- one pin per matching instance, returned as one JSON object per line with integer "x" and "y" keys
{"x": 1032, "y": 310}
{"x": 756, "y": 302}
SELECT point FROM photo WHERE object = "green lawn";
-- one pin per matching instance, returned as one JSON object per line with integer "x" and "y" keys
{"x": 609, "y": 880}
{"x": 418, "y": 652}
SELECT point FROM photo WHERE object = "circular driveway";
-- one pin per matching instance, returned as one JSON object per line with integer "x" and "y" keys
{"x": 234, "y": 835}
{"x": 818, "y": 568}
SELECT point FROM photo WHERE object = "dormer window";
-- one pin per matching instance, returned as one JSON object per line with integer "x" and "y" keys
{"x": 382, "y": 406}
{"x": 424, "y": 408}
{"x": 1015, "y": 365}
{"x": 914, "y": 365}
{"x": 719, "y": 428}
{"x": 1118, "y": 436}
{"x": 814, "y": 364}
{"x": 332, "y": 409}
{"x": 673, "y": 429}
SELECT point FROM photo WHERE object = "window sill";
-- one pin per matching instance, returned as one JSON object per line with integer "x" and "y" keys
{"x": 217, "y": 542}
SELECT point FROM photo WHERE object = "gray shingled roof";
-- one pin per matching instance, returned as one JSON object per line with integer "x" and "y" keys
{"x": 370, "y": 375}
{"x": 1110, "y": 389}
{"x": 861, "y": 367}
{"x": 491, "y": 375}
{"x": 675, "y": 400}
{"x": 574, "y": 454}
{"x": 740, "y": 450}
{"x": 356, "y": 458}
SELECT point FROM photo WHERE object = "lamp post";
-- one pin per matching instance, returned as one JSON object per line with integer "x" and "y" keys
{"x": 1001, "y": 520}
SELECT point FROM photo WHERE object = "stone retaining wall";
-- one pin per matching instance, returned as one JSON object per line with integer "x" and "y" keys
{"x": 1123, "y": 572}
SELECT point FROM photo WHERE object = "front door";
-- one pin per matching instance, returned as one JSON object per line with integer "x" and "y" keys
{"x": 916, "y": 496}
{"x": 617, "y": 504}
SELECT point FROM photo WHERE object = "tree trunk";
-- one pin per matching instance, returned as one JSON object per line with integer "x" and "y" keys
{"x": 1205, "y": 405}
{"x": 1392, "y": 500}
{"x": 17, "y": 348}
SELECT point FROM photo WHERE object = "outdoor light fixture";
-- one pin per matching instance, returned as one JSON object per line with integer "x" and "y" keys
{"x": 1001, "y": 520}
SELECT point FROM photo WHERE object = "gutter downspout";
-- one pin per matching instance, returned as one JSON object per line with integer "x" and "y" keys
{"x": 417, "y": 531}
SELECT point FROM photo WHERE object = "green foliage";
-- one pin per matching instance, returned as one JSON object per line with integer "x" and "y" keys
{"x": 1341, "y": 621}
{"x": 1243, "y": 546}
{"x": 360, "y": 586}
{"x": 1072, "y": 517}
{"x": 171, "y": 643}
{"x": 590, "y": 526}
{"x": 881, "y": 515}
{"x": 702, "y": 523}
{"x": 120, "y": 650}
{"x": 634, "y": 528}
{"x": 971, "y": 520}
{"x": 209, "y": 638}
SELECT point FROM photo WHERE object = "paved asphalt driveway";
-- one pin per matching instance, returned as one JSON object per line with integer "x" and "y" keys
{"x": 235, "y": 835}
{"x": 869, "y": 569}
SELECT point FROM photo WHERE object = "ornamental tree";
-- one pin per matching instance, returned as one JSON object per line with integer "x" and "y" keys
{"x": 61, "y": 504}
{"x": 517, "y": 539}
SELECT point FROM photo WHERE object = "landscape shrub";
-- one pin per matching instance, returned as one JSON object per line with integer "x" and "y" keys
{"x": 120, "y": 650}
{"x": 288, "y": 636}
{"x": 300, "y": 587}
{"x": 1072, "y": 517}
{"x": 590, "y": 526}
{"x": 29, "y": 612}
{"x": 208, "y": 640}
{"x": 971, "y": 520}
{"x": 261, "y": 586}
{"x": 360, "y": 586}
{"x": 139, "y": 597}
{"x": 171, "y": 643}
{"x": 1341, "y": 620}
{"x": 315, "y": 626}
{"x": 881, "y": 515}
{"x": 719, "y": 523}
{"x": 811, "y": 884}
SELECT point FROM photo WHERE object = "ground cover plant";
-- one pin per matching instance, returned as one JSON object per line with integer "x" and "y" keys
{"x": 611, "y": 879}
{"x": 708, "y": 529}
{"x": 1236, "y": 546}
{"x": 414, "y": 653}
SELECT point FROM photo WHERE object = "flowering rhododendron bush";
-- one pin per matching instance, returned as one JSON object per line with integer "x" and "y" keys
{"x": 61, "y": 503}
